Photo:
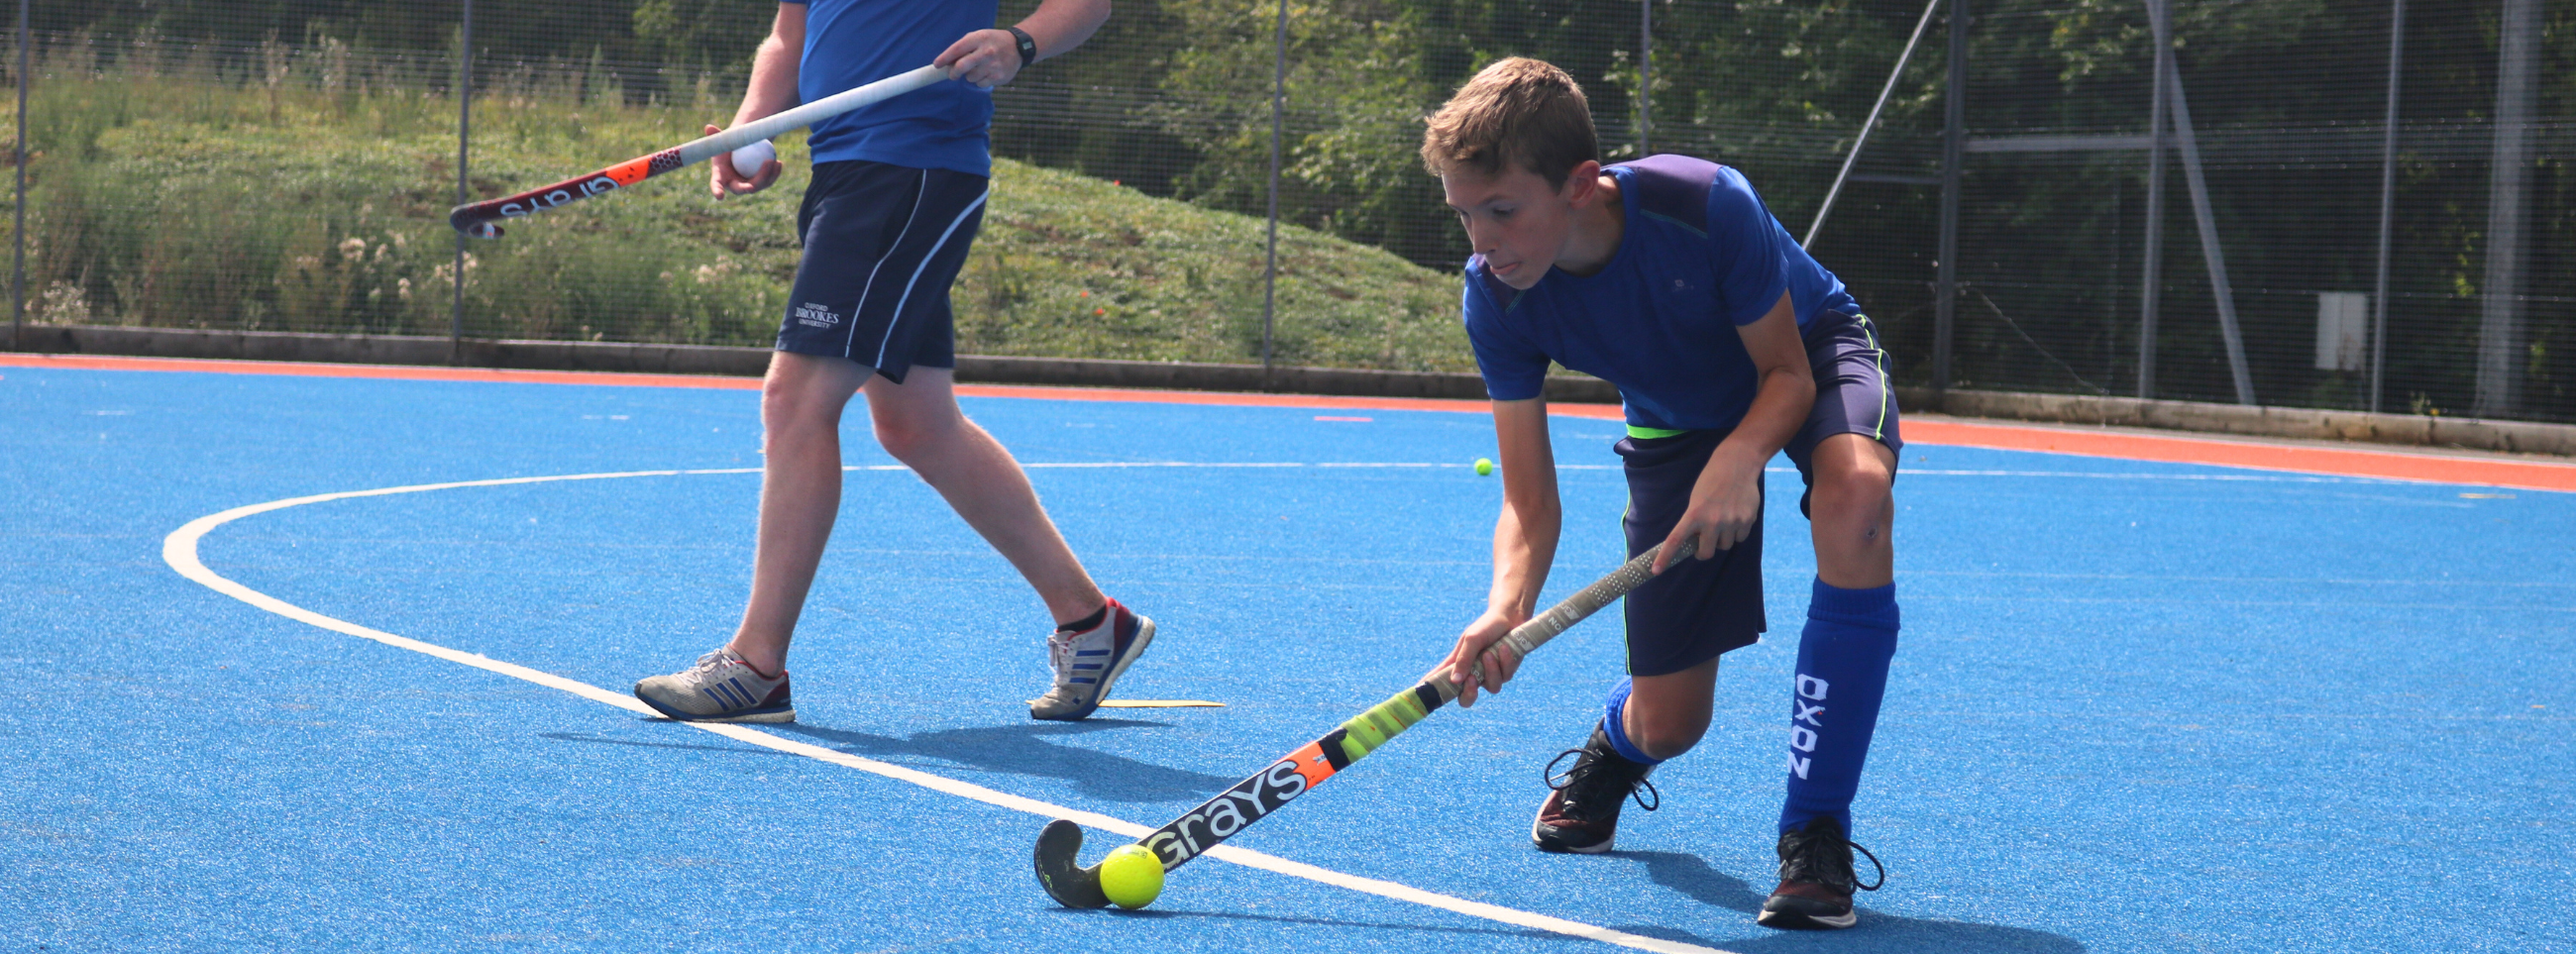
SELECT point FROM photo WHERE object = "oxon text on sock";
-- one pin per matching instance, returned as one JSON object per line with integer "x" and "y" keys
{"x": 1801, "y": 738}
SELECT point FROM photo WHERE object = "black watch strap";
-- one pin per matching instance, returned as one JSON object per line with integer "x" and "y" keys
{"x": 1028, "y": 45}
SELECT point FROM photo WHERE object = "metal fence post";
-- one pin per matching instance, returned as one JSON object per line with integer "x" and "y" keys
{"x": 2387, "y": 205}
{"x": 1278, "y": 113}
{"x": 464, "y": 137}
{"x": 1954, "y": 136}
{"x": 2500, "y": 336}
{"x": 1645, "y": 77}
{"x": 18, "y": 279}
{"x": 2151, "y": 278}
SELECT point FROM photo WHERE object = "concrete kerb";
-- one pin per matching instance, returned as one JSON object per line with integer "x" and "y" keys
{"x": 2298, "y": 423}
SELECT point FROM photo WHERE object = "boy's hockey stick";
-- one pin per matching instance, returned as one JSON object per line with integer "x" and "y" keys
{"x": 1255, "y": 798}
{"x": 481, "y": 219}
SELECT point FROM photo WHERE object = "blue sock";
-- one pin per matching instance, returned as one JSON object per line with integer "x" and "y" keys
{"x": 1614, "y": 722}
{"x": 1842, "y": 673}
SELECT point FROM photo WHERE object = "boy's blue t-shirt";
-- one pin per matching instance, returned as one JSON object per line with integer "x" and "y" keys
{"x": 851, "y": 43}
{"x": 1699, "y": 254}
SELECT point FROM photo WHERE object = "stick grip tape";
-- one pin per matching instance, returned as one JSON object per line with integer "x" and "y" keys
{"x": 1529, "y": 636}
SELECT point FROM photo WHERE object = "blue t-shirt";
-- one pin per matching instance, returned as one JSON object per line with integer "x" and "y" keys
{"x": 1699, "y": 254}
{"x": 851, "y": 43}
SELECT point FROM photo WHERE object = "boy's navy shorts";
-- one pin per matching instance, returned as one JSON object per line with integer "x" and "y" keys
{"x": 1699, "y": 609}
{"x": 882, "y": 244}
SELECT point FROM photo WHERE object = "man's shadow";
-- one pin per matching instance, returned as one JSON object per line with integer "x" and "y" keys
{"x": 1024, "y": 750}
{"x": 1693, "y": 877}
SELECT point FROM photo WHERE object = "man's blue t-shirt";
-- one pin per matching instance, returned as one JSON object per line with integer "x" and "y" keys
{"x": 851, "y": 43}
{"x": 1699, "y": 254}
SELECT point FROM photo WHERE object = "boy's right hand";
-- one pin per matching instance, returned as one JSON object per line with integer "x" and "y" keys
{"x": 726, "y": 181}
{"x": 1481, "y": 647}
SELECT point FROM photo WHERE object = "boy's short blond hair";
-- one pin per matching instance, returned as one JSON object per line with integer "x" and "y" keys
{"x": 1516, "y": 112}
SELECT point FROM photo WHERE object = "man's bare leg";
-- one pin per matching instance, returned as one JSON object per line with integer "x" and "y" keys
{"x": 919, "y": 422}
{"x": 800, "y": 495}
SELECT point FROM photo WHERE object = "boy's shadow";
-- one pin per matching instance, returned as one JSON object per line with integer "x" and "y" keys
{"x": 1693, "y": 877}
{"x": 1024, "y": 750}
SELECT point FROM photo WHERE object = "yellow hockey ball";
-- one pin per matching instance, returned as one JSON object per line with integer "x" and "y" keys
{"x": 1484, "y": 467}
{"x": 1132, "y": 876}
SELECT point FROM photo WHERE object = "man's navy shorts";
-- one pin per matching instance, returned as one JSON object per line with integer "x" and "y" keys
{"x": 882, "y": 244}
{"x": 1699, "y": 609}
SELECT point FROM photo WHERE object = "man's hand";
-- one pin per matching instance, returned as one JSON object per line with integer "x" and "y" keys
{"x": 986, "y": 58}
{"x": 1725, "y": 503}
{"x": 726, "y": 181}
{"x": 1481, "y": 645}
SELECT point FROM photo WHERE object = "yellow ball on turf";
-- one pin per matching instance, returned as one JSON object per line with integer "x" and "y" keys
{"x": 1132, "y": 876}
{"x": 1484, "y": 467}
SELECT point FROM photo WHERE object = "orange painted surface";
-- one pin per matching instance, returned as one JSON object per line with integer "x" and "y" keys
{"x": 2303, "y": 458}
{"x": 631, "y": 171}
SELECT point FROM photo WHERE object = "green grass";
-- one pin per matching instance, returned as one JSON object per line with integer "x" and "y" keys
{"x": 190, "y": 199}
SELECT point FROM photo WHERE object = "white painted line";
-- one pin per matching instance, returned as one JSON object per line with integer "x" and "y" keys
{"x": 179, "y": 550}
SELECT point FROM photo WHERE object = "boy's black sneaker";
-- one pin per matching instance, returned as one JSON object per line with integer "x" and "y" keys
{"x": 1581, "y": 814}
{"x": 1816, "y": 879}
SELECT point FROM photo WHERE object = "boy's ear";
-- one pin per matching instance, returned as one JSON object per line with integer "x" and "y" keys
{"x": 1582, "y": 182}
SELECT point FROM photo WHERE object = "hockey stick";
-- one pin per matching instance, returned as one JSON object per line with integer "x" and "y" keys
{"x": 1253, "y": 799}
{"x": 481, "y": 219}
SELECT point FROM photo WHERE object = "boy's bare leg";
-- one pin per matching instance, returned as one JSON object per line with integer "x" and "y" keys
{"x": 1852, "y": 513}
{"x": 800, "y": 495}
{"x": 919, "y": 422}
{"x": 1666, "y": 715}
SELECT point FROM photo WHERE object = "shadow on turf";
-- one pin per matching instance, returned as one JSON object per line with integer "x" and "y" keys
{"x": 1693, "y": 877}
{"x": 1161, "y": 914}
{"x": 1024, "y": 750}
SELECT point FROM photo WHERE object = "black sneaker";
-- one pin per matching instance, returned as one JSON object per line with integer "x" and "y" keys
{"x": 1582, "y": 813}
{"x": 1816, "y": 879}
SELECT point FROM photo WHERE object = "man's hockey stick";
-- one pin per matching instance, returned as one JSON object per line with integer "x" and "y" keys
{"x": 1253, "y": 799}
{"x": 481, "y": 219}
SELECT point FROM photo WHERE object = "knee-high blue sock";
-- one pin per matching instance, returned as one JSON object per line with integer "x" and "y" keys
{"x": 1614, "y": 723}
{"x": 1842, "y": 674}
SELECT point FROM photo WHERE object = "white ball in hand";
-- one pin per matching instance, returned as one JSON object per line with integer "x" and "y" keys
{"x": 748, "y": 160}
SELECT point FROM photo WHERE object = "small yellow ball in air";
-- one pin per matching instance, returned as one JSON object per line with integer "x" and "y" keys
{"x": 1484, "y": 467}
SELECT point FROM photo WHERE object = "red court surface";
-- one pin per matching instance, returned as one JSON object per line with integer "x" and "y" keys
{"x": 2304, "y": 457}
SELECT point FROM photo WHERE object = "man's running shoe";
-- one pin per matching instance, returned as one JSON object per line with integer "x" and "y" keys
{"x": 1582, "y": 813}
{"x": 1088, "y": 661}
{"x": 1816, "y": 879}
{"x": 720, "y": 688}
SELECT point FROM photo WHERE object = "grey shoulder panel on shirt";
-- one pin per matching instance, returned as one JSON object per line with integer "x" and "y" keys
{"x": 1673, "y": 188}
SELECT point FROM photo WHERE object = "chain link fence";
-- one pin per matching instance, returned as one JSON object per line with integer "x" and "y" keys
{"x": 2358, "y": 205}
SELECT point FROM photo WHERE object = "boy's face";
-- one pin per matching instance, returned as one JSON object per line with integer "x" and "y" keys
{"x": 1519, "y": 224}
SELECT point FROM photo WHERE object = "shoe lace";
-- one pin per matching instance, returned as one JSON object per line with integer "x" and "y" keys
{"x": 1820, "y": 854}
{"x": 1588, "y": 782}
{"x": 1060, "y": 656}
{"x": 713, "y": 660}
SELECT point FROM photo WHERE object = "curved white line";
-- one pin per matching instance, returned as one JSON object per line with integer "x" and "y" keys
{"x": 179, "y": 550}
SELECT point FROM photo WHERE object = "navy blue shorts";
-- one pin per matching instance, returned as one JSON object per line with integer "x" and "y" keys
{"x": 882, "y": 244}
{"x": 1699, "y": 609}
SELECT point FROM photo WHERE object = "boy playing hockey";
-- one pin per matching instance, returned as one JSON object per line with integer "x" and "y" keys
{"x": 1669, "y": 278}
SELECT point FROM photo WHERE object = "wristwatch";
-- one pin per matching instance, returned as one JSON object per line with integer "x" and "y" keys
{"x": 1028, "y": 45}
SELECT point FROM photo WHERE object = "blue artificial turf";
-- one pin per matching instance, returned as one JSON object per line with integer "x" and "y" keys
{"x": 2138, "y": 707}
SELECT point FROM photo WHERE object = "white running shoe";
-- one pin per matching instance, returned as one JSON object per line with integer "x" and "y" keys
{"x": 1087, "y": 662}
{"x": 721, "y": 687}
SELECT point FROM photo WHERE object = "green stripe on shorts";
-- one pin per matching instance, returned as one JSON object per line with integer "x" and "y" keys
{"x": 1650, "y": 433}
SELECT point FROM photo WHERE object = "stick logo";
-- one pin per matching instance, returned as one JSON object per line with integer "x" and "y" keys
{"x": 560, "y": 194}
{"x": 1228, "y": 813}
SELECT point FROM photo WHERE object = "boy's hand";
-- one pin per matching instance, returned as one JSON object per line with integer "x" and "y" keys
{"x": 1481, "y": 645}
{"x": 726, "y": 181}
{"x": 1725, "y": 503}
{"x": 986, "y": 58}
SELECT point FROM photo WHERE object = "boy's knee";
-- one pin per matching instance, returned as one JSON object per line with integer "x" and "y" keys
{"x": 1665, "y": 735}
{"x": 1857, "y": 487}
